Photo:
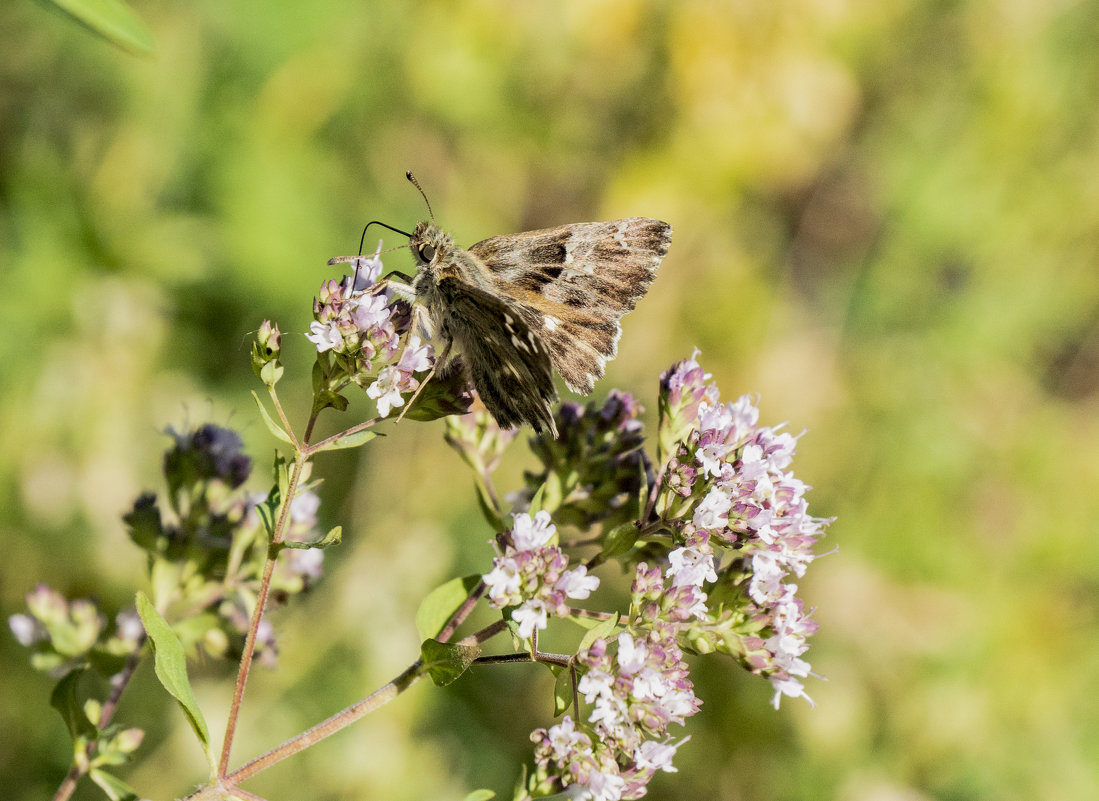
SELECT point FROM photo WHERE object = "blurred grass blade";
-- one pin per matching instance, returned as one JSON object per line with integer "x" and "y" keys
{"x": 171, "y": 668}
{"x": 113, "y": 20}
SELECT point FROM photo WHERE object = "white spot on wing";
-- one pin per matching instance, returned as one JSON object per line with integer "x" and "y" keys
{"x": 551, "y": 323}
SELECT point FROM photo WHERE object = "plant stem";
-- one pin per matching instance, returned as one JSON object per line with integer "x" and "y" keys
{"x": 325, "y": 728}
{"x": 257, "y": 613}
{"x": 282, "y": 416}
{"x": 311, "y": 449}
{"x": 119, "y": 681}
{"x": 485, "y": 634}
{"x": 462, "y": 613}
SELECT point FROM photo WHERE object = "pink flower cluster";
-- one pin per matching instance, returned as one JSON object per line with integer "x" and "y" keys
{"x": 357, "y": 322}
{"x": 744, "y": 495}
{"x": 634, "y": 694}
{"x": 532, "y": 574}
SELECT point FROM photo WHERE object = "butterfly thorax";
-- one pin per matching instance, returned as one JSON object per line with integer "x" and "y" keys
{"x": 439, "y": 260}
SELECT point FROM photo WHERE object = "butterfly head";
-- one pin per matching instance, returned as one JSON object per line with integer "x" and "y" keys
{"x": 429, "y": 244}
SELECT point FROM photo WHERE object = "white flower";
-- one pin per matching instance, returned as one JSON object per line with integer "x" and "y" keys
{"x": 325, "y": 336}
{"x": 530, "y": 616}
{"x": 713, "y": 512}
{"x": 767, "y": 574}
{"x": 576, "y": 583}
{"x": 416, "y": 357}
{"x": 744, "y": 413}
{"x": 791, "y": 688}
{"x": 691, "y": 567}
{"x": 503, "y": 581}
{"x": 563, "y": 737}
{"x": 529, "y": 532}
{"x": 712, "y": 457}
{"x": 714, "y": 417}
{"x": 386, "y": 390}
{"x": 366, "y": 269}
{"x": 607, "y": 786}
{"x": 653, "y": 755}
{"x": 594, "y": 684}
{"x": 367, "y": 310}
{"x": 631, "y": 656}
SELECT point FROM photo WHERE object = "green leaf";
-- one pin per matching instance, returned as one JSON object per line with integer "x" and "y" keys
{"x": 604, "y": 630}
{"x": 114, "y": 787}
{"x": 442, "y": 602}
{"x": 272, "y": 426}
{"x": 171, "y": 668}
{"x": 327, "y": 398}
{"x": 536, "y": 501}
{"x": 480, "y": 795}
{"x": 350, "y": 441}
{"x": 620, "y": 540}
{"x": 113, "y": 20}
{"x": 446, "y": 661}
{"x": 64, "y": 700}
{"x": 553, "y": 492}
{"x": 333, "y": 537}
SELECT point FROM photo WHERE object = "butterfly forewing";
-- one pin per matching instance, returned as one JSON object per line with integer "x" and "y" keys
{"x": 573, "y": 283}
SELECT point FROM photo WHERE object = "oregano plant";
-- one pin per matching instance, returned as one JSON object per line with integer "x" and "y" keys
{"x": 704, "y": 513}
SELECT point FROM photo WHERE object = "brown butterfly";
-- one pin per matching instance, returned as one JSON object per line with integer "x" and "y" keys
{"x": 518, "y": 306}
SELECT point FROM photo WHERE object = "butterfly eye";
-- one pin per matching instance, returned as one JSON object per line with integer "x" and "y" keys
{"x": 427, "y": 252}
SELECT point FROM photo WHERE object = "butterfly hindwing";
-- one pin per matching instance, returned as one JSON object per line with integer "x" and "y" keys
{"x": 508, "y": 363}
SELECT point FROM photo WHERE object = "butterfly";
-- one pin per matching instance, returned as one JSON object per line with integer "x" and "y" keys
{"x": 519, "y": 306}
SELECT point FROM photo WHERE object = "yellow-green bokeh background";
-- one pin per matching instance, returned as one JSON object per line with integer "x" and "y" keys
{"x": 886, "y": 224}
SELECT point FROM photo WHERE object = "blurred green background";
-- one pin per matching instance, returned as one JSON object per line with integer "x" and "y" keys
{"x": 886, "y": 224}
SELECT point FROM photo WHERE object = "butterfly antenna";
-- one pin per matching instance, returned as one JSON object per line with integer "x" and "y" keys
{"x": 423, "y": 194}
{"x": 383, "y": 225}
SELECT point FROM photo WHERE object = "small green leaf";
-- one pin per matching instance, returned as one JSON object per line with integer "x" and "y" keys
{"x": 64, "y": 700}
{"x": 446, "y": 661}
{"x": 536, "y": 501}
{"x": 442, "y": 602}
{"x": 604, "y": 630}
{"x": 553, "y": 491}
{"x": 480, "y": 795}
{"x": 333, "y": 537}
{"x": 620, "y": 540}
{"x": 327, "y": 398}
{"x": 113, "y": 20}
{"x": 272, "y": 426}
{"x": 114, "y": 787}
{"x": 350, "y": 441}
{"x": 171, "y": 668}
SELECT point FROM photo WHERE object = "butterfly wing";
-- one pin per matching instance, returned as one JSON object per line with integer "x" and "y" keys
{"x": 508, "y": 363}
{"x": 574, "y": 283}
